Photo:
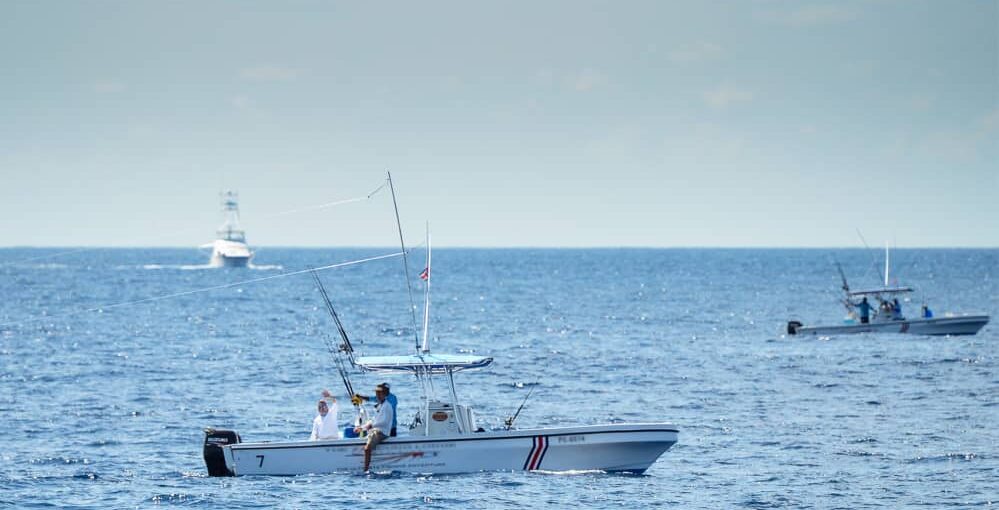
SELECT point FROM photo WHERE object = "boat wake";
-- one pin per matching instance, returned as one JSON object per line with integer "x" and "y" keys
{"x": 199, "y": 267}
{"x": 266, "y": 267}
{"x": 182, "y": 267}
{"x": 573, "y": 472}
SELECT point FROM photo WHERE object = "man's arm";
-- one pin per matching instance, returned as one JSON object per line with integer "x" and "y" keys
{"x": 315, "y": 430}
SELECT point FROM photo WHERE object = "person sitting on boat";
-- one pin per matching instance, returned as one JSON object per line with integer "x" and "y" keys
{"x": 865, "y": 311}
{"x": 896, "y": 310}
{"x": 325, "y": 425}
{"x": 377, "y": 426}
{"x": 392, "y": 400}
{"x": 927, "y": 313}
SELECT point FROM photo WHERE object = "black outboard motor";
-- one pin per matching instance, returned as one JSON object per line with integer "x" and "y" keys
{"x": 215, "y": 439}
{"x": 792, "y": 327}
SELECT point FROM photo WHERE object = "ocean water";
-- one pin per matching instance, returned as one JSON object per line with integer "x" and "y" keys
{"x": 105, "y": 408}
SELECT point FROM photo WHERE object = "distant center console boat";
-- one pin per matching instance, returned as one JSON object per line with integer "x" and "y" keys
{"x": 878, "y": 310}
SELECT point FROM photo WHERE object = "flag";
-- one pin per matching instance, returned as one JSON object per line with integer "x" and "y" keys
{"x": 425, "y": 275}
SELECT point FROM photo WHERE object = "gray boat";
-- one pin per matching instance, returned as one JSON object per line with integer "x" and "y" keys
{"x": 887, "y": 316}
{"x": 884, "y": 319}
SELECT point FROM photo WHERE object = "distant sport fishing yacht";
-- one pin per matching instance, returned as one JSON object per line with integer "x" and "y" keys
{"x": 230, "y": 249}
{"x": 443, "y": 436}
{"x": 883, "y": 314}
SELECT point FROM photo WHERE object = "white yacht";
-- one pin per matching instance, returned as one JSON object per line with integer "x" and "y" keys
{"x": 230, "y": 249}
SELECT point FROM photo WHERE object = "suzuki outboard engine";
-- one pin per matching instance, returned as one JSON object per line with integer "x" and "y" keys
{"x": 215, "y": 439}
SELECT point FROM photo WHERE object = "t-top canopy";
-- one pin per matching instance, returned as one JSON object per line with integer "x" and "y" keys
{"x": 883, "y": 290}
{"x": 432, "y": 363}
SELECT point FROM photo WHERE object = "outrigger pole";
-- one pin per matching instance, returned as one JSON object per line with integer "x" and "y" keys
{"x": 428, "y": 383}
{"x": 405, "y": 264}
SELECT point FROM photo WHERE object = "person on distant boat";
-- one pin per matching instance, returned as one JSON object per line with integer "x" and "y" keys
{"x": 865, "y": 311}
{"x": 376, "y": 427}
{"x": 927, "y": 313}
{"x": 392, "y": 400}
{"x": 325, "y": 425}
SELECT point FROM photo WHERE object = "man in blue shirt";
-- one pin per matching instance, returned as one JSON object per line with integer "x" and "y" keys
{"x": 392, "y": 400}
{"x": 865, "y": 311}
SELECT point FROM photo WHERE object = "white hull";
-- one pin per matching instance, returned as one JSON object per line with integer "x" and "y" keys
{"x": 963, "y": 325}
{"x": 220, "y": 260}
{"x": 230, "y": 254}
{"x": 611, "y": 448}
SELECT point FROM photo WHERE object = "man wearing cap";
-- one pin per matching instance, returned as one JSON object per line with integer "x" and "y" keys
{"x": 376, "y": 427}
{"x": 392, "y": 400}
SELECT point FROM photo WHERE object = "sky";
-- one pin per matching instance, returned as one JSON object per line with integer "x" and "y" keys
{"x": 554, "y": 123}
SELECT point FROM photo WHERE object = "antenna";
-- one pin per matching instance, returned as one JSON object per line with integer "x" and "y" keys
{"x": 887, "y": 257}
{"x": 426, "y": 298}
{"x": 230, "y": 229}
{"x": 405, "y": 264}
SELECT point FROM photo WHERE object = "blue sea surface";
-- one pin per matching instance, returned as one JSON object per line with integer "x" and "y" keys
{"x": 105, "y": 408}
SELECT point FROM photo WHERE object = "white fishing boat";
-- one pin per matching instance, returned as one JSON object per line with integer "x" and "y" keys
{"x": 887, "y": 317}
{"x": 230, "y": 249}
{"x": 443, "y": 436}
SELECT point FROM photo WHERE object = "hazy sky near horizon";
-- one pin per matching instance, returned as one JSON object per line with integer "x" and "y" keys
{"x": 763, "y": 123}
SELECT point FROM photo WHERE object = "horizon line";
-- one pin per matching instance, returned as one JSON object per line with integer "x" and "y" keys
{"x": 508, "y": 247}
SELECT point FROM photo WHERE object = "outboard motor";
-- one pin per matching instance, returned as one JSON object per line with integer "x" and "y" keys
{"x": 215, "y": 439}
{"x": 792, "y": 327}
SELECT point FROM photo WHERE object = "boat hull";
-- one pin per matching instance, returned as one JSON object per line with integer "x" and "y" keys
{"x": 962, "y": 325}
{"x": 611, "y": 448}
{"x": 219, "y": 260}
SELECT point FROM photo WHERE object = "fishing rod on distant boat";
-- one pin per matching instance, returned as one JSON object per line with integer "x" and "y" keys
{"x": 874, "y": 258}
{"x": 845, "y": 287}
{"x": 509, "y": 421}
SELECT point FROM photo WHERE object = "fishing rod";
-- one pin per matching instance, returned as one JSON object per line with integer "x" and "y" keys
{"x": 509, "y": 421}
{"x": 335, "y": 352}
{"x": 845, "y": 287}
{"x": 346, "y": 345}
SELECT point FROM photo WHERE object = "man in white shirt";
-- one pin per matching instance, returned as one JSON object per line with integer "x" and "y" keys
{"x": 325, "y": 425}
{"x": 379, "y": 426}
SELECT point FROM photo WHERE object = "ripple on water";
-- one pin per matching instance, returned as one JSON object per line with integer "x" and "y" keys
{"x": 106, "y": 410}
